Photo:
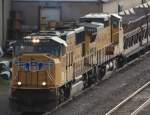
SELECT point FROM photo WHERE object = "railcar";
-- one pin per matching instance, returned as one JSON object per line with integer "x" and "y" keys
{"x": 49, "y": 67}
{"x": 136, "y": 26}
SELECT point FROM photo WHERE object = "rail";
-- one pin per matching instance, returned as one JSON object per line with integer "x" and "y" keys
{"x": 128, "y": 99}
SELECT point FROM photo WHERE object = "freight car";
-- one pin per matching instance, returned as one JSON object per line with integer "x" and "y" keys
{"x": 49, "y": 67}
{"x": 136, "y": 25}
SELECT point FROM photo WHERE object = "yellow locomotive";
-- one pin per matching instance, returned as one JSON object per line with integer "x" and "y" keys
{"x": 49, "y": 67}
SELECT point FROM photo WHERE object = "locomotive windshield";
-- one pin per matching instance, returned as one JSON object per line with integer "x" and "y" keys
{"x": 49, "y": 47}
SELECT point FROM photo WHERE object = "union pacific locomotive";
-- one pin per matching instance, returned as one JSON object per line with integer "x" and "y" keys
{"x": 50, "y": 67}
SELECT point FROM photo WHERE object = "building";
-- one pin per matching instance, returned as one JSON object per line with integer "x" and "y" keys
{"x": 4, "y": 14}
{"x": 66, "y": 10}
{"x": 57, "y": 10}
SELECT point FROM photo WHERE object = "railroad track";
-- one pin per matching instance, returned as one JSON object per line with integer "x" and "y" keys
{"x": 31, "y": 113}
{"x": 134, "y": 104}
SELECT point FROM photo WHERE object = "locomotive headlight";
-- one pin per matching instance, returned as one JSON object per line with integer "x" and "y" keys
{"x": 44, "y": 83}
{"x": 19, "y": 83}
{"x": 35, "y": 40}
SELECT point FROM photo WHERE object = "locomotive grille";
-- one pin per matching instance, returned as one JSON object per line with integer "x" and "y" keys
{"x": 33, "y": 73}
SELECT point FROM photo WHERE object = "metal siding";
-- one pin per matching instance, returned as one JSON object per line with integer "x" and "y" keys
{"x": 0, "y": 21}
{"x": 73, "y": 11}
{"x": 68, "y": 11}
{"x": 30, "y": 13}
{"x": 112, "y": 7}
{"x": 7, "y": 7}
{"x": 6, "y": 15}
{"x": 50, "y": 14}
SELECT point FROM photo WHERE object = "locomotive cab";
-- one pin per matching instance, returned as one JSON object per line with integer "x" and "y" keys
{"x": 37, "y": 70}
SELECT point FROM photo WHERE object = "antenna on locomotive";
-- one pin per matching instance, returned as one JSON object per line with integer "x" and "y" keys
{"x": 119, "y": 6}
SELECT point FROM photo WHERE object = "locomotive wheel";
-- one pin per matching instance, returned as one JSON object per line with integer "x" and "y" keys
{"x": 101, "y": 72}
{"x": 85, "y": 82}
{"x": 94, "y": 75}
{"x": 61, "y": 95}
{"x": 67, "y": 90}
{"x": 92, "y": 78}
{"x": 121, "y": 62}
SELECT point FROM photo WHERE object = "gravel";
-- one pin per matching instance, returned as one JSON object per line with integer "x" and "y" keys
{"x": 146, "y": 111}
{"x": 99, "y": 99}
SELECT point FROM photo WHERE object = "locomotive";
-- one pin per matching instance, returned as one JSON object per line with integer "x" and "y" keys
{"x": 49, "y": 67}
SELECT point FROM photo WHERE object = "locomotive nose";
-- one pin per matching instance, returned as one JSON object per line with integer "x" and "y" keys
{"x": 34, "y": 85}
{"x": 34, "y": 71}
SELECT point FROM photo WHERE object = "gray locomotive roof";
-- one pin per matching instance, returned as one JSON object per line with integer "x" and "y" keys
{"x": 97, "y": 16}
{"x": 134, "y": 14}
{"x": 54, "y": 38}
{"x": 92, "y": 27}
{"x": 89, "y": 25}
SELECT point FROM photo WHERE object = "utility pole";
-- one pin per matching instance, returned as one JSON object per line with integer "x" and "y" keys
{"x": 119, "y": 6}
{"x": 100, "y": 6}
{"x": 3, "y": 22}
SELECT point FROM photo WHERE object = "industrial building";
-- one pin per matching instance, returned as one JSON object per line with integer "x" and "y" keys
{"x": 66, "y": 10}
{"x": 30, "y": 12}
